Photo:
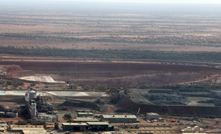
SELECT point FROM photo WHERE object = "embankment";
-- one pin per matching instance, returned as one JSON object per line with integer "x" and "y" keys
{"x": 127, "y": 104}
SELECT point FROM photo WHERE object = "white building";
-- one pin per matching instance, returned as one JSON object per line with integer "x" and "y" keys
{"x": 152, "y": 116}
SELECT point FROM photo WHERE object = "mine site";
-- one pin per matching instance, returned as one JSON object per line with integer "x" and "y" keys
{"x": 119, "y": 68}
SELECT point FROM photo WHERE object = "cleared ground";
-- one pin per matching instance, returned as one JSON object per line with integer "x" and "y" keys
{"x": 109, "y": 73}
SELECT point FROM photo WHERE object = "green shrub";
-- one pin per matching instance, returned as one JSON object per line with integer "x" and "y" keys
{"x": 9, "y": 82}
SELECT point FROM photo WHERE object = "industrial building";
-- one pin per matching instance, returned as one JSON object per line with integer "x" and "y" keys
{"x": 11, "y": 114}
{"x": 100, "y": 126}
{"x": 75, "y": 126}
{"x": 152, "y": 116}
{"x": 84, "y": 114}
{"x": 2, "y": 129}
{"x": 88, "y": 126}
{"x": 119, "y": 118}
{"x": 80, "y": 119}
{"x": 24, "y": 129}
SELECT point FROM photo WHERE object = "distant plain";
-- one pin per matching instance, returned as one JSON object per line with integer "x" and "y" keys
{"x": 122, "y": 31}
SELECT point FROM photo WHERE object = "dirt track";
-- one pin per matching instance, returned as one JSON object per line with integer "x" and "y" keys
{"x": 114, "y": 73}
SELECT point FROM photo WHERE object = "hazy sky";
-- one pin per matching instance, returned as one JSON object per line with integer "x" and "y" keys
{"x": 132, "y": 6}
{"x": 128, "y": 1}
{"x": 154, "y": 1}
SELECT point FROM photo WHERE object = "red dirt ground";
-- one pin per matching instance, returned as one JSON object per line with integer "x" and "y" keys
{"x": 108, "y": 73}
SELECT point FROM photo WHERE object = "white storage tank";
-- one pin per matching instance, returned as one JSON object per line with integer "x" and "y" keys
{"x": 30, "y": 95}
{"x": 33, "y": 110}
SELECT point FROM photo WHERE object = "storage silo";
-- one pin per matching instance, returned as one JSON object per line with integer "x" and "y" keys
{"x": 32, "y": 95}
{"x": 27, "y": 96}
{"x": 33, "y": 110}
{"x": 57, "y": 117}
{"x": 46, "y": 118}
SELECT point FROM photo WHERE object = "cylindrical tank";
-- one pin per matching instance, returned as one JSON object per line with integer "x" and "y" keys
{"x": 53, "y": 119}
{"x": 32, "y": 95}
{"x": 33, "y": 110}
{"x": 46, "y": 118}
{"x": 57, "y": 118}
{"x": 49, "y": 118}
{"x": 27, "y": 96}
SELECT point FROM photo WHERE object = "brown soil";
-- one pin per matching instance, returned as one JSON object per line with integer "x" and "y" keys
{"x": 109, "y": 73}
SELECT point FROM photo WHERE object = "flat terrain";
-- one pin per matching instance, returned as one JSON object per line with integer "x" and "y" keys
{"x": 84, "y": 30}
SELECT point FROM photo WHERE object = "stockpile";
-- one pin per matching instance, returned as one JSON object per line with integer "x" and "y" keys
{"x": 216, "y": 102}
{"x": 167, "y": 99}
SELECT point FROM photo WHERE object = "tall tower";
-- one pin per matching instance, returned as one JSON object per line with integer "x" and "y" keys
{"x": 33, "y": 110}
{"x": 57, "y": 117}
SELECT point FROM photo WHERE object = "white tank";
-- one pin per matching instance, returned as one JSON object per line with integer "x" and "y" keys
{"x": 27, "y": 96}
{"x": 30, "y": 95}
{"x": 33, "y": 110}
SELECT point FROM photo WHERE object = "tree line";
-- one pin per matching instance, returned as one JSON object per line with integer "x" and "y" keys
{"x": 113, "y": 54}
{"x": 184, "y": 87}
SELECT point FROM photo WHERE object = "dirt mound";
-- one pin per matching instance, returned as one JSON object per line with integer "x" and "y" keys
{"x": 12, "y": 68}
{"x": 129, "y": 105}
{"x": 108, "y": 73}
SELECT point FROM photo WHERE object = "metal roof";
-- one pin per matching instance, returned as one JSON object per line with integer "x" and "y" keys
{"x": 86, "y": 119}
{"x": 152, "y": 114}
{"x": 84, "y": 113}
{"x": 74, "y": 124}
{"x": 2, "y": 128}
{"x": 97, "y": 123}
{"x": 119, "y": 116}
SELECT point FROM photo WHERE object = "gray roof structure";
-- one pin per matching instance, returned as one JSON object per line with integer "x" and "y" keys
{"x": 119, "y": 116}
{"x": 152, "y": 113}
{"x": 85, "y": 120}
{"x": 74, "y": 124}
{"x": 97, "y": 123}
{"x": 85, "y": 113}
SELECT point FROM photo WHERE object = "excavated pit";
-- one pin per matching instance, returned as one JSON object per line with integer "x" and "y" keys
{"x": 108, "y": 73}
